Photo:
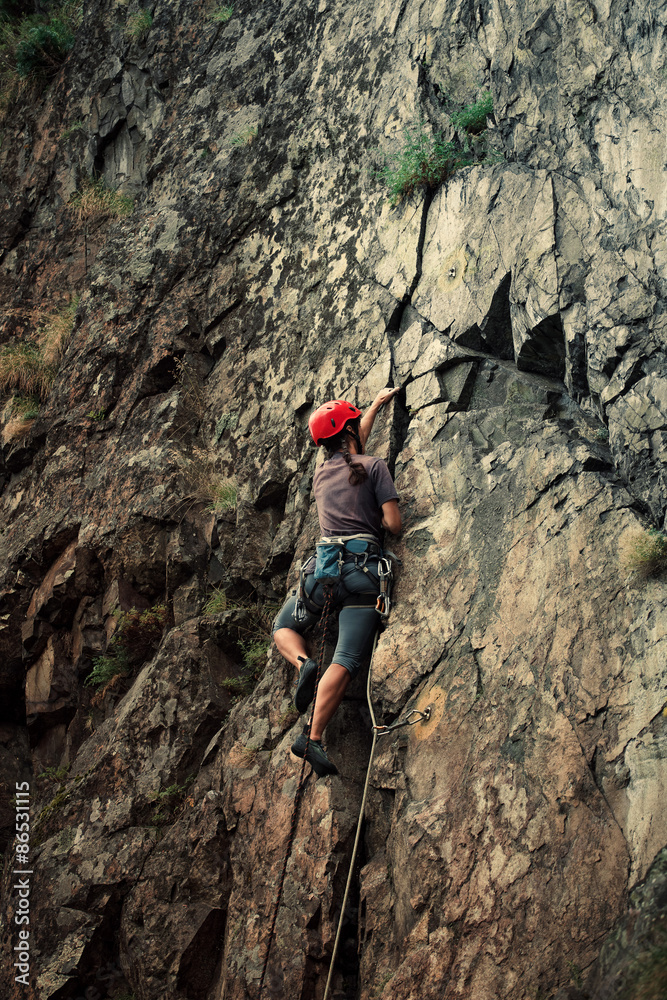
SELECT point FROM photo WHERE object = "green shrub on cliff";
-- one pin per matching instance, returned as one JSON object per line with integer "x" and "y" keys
{"x": 427, "y": 160}
{"x": 44, "y": 48}
{"x": 473, "y": 117}
{"x": 168, "y": 800}
{"x": 137, "y": 636}
{"x": 222, "y": 14}
{"x": 424, "y": 160}
{"x": 33, "y": 46}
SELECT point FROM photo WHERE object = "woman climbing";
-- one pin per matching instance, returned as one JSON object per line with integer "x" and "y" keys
{"x": 356, "y": 498}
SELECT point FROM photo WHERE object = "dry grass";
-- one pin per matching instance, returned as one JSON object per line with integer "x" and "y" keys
{"x": 644, "y": 553}
{"x": 138, "y": 25}
{"x": 242, "y": 756}
{"x": 98, "y": 698}
{"x": 55, "y": 333}
{"x": 15, "y": 429}
{"x": 29, "y": 367}
{"x": 192, "y": 394}
{"x": 17, "y": 418}
{"x": 207, "y": 486}
{"x": 23, "y": 369}
{"x": 95, "y": 202}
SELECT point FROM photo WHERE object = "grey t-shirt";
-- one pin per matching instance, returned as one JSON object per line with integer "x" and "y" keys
{"x": 344, "y": 509}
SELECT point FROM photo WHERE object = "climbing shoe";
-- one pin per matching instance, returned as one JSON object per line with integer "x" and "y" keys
{"x": 305, "y": 688}
{"x": 316, "y": 755}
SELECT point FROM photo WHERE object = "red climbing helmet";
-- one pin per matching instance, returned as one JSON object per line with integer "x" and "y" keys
{"x": 330, "y": 418}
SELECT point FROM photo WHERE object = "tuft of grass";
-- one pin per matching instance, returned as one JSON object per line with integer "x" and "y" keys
{"x": 644, "y": 553}
{"x": 424, "y": 160}
{"x": 217, "y": 602}
{"x": 254, "y": 653}
{"x": 24, "y": 407}
{"x": 224, "y": 495}
{"x": 18, "y": 417}
{"x": 30, "y": 366}
{"x": 168, "y": 800}
{"x": 222, "y": 14}
{"x": 192, "y": 394}
{"x": 217, "y": 492}
{"x": 246, "y": 137}
{"x": 95, "y": 201}
{"x": 23, "y": 368}
{"x": 59, "y": 774}
{"x": 55, "y": 332}
{"x": 138, "y": 25}
{"x": 241, "y": 755}
{"x": 473, "y": 117}
{"x": 75, "y": 127}
{"x": 251, "y": 630}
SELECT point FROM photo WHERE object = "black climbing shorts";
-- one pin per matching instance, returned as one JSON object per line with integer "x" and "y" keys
{"x": 357, "y": 620}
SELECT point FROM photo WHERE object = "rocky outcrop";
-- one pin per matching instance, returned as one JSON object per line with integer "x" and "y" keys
{"x": 519, "y": 306}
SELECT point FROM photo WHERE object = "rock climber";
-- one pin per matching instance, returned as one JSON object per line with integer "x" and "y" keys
{"x": 356, "y": 498}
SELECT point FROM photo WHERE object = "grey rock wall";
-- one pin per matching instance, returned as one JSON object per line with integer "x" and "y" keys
{"x": 519, "y": 306}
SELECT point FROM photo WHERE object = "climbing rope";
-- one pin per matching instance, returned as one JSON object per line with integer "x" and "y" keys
{"x": 326, "y": 612}
{"x": 362, "y": 809}
{"x": 377, "y": 731}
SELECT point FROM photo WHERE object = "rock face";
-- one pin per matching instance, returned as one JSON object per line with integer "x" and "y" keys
{"x": 519, "y": 304}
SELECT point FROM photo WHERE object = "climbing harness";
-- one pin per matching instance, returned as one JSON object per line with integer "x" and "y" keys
{"x": 331, "y": 552}
{"x": 326, "y": 612}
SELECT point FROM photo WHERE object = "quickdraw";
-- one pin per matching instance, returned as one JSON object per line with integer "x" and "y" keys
{"x": 385, "y": 573}
{"x": 421, "y": 717}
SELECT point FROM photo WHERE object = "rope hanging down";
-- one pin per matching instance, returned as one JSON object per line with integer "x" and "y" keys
{"x": 377, "y": 731}
{"x": 326, "y": 611}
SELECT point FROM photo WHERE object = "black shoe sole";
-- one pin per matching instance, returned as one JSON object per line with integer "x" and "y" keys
{"x": 305, "y": 688}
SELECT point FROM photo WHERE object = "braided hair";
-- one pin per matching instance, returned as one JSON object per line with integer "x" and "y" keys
{"x": 334, "y": 444}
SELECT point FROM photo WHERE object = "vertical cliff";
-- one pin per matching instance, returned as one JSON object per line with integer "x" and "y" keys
{"x": 250, "y": 265}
